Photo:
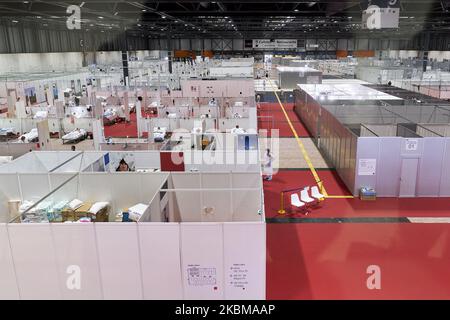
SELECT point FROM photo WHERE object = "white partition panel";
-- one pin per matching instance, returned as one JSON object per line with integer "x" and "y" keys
{"x": 28, "y": 183}
{"x": 76, "y": 254}
{"x": 244, "y": 261}
{"x": 57, "y": 179}
{"x": 8, "y": 283}
{"x": 445, "y": 173}
{"x": 227, "y": 124}
{"x": 9, "y": 190}
{"x": 160, "y": 259}
{"x": 148, "y": 159}
{"x": 53, "y": 159}
{"x": 92, "y": 187}
{"x": 35, "y": 261}
{"x": 220, "y": 204}
{"x": 247, "y": 205}
{"x": 186, "y": 180}
{"x": 216, "y": 180}
{"x": 125, "y": 190}
{"x": 186, "y": 206}
{"x": 150, "y": 184}
{"x": 202, "y": 260}
{"x": 118, "y": 252}
{"x": 246, "y": 180}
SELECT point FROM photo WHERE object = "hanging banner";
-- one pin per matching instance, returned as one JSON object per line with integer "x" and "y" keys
{"x": 274, "y": 44}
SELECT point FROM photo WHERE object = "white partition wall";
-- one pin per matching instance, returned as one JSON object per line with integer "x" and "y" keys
{"x": 28, "y": 183}
{"x": 244, "y": 260}
{"x": 213, "y": 249}
{"x": 9, "y": 190}
{"x": 389, "y": 154}
{"x": 35, "y": 261}
{"x": 8, "y": 283}
{"x": 159, "y": 245}
{"x": 77, "y": 255}
{"x": 120, "y": 267}
{"x": 202, "y": 261}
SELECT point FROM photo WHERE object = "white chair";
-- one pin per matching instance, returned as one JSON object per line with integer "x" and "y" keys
{"x": 295, "y": 202}
{"x": 316, "y": 194}
{"x": 304, "y": 196}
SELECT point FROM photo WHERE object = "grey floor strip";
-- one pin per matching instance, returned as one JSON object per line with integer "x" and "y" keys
{"x": 339, "y": 220}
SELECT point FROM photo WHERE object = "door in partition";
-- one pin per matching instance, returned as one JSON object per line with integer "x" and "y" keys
{"x": 408, "y": 177}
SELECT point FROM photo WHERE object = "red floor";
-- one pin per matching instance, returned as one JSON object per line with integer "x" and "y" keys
{"x": 272, "y": 117}
{"x": 330, "y": 260}
{"x": 123, "y": 129}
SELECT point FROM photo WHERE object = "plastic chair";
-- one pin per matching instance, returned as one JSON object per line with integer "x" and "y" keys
{"x": 295, "y": 202}
{"x": 316, "y": 194}
{"x": 304, "y": 196}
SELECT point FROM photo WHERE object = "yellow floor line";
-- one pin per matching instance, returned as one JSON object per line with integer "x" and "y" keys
{"x": 339, "y": 197}
{"x": 302, "y": 147}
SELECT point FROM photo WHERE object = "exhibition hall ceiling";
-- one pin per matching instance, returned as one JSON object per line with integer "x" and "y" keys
{"x": 236, "y": 19}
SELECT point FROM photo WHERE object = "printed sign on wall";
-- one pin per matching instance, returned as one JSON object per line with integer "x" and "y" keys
{"x": 367, "y": 167}
{"x": 411, "y": 144}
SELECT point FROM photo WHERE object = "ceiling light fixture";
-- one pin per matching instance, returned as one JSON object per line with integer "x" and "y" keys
{"x": 100, "y": 17}
{"x": 82, "y": 4}
{"x": 15, "y": 21}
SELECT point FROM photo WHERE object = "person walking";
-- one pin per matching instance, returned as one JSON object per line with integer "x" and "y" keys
{"x": 268, "y": 165}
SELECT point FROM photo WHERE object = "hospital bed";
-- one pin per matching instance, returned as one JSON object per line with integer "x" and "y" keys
{"x": 41, "y": 114}
{"x": 159, "y": 134}
{"x": 31, "y": 136}
{"x": 237, "y": 131}
{"x": 81, "y": 112}
{"x": 7, "y": 134}
{"x": 7, "y": 131}
{"x": 110, "y": 116}
{"x": 74, "y": 136}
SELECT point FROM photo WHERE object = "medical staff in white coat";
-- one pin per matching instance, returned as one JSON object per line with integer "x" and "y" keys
{"x": 268, "y": 165}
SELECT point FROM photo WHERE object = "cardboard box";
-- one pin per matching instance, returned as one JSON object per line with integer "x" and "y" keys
{"x": 83, "y": 211}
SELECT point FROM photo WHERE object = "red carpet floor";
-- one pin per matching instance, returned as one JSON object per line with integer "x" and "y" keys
{"x": 123, "y": 129}
{"x": 272, "y": 117}
{"x": 339, "y": 208}
{"x": 330, "y": 260}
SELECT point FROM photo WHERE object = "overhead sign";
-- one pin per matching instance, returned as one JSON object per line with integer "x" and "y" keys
{"x": 274, "y": 44}
{"x": 381, "y": 14}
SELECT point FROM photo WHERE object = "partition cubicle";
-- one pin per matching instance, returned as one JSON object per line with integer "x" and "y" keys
{"x": 213, "y": 248}
{"x": 55, "y": 125}
{"x": 390, "y": 148}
